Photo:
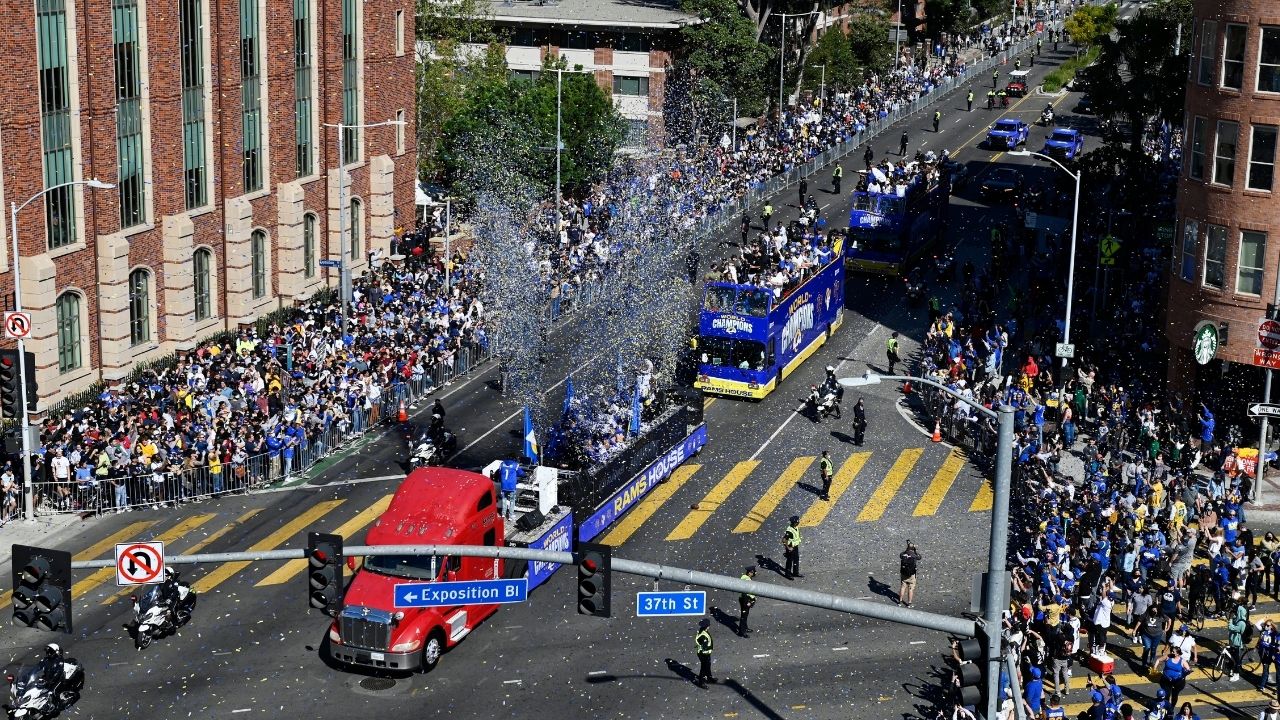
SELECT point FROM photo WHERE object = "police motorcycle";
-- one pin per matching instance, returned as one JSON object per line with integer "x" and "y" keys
{"x": 1046, "y": 116}
{"x": 942, "y": 264}
{"x": 44, "y": 690}
{"x": 162, "y": 609}
{"x": 825, "y": 401}
{"x": 915, "y": 285}
{"x": 432, "y": 447}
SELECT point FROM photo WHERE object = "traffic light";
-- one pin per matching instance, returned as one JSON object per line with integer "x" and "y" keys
{"x": 324, "y": 574}
{"x": 593, "y": 579}
{"x": 971, "y": 684}
{"x": 42, "y": 588}
{"x": 10, "y": 387}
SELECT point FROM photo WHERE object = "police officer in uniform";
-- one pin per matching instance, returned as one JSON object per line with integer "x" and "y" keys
{"x": 868, "y": 156}
{"x": 804, "y": 190}
{"x": 746, "y": 601}
{"x": 891, "y": 351}
{"x": 995, "y": 79}
{"x": 991, "y": 99}
{"x": 826, "y": 470}
{"x": 859, "y": 422}
{"x": 969, "y": 100}
{"x": 704, "y": 645}
{"x": 937, "y": 119}
{"x": 836, "y": 176}
{"x": 791, "y": 548}
{"x": 902, "y": 144}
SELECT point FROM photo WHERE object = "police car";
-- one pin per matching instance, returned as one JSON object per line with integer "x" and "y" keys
{"x": 1007, "y": 134}
{"x": 1064, "y": 144}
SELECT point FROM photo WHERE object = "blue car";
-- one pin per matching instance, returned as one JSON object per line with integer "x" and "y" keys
{"x": 1007, "y": 134}
{"x": 1064, "y": 143}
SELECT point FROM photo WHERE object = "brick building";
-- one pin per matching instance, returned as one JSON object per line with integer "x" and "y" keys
{"x": 1226, "y": 266}
{"x": 209, "y": 118}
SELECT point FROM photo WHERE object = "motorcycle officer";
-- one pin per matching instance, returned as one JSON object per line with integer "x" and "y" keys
{"x": 815, "y": 401}
{"x": 831, "y": 386}
{"x": 51, "y": 666}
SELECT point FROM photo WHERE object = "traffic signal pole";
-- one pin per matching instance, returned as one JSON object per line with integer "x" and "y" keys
{"x": 28, "y": 485}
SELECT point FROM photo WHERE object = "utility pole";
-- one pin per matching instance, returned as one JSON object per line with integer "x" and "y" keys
{"x": 822, "y": 83}
{"x": 559, "y": 147}
{"x": 782, "y": 55}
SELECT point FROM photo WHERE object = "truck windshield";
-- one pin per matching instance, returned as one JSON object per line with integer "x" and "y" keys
{"x": 414, "y": 567}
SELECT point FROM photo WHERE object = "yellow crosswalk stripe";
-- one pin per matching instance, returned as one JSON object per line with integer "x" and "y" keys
{"x": 942, "y": 482}
{"x": 101, "y": 575}
{"x": 270, "y": 542}
{"x": 713, "y": 499}
{"x": 983, "y": 501}
{"x": 768, "y": 502}
{"x": 1225, "y": 700}
{"x": 200, "y": 545}
{"x": 290, "y": 569}
{"x": 843, "y": 479}
{"x": 889, "y": 487}
{"x": 129, "y": 532}
{"x": 638, "y": 515}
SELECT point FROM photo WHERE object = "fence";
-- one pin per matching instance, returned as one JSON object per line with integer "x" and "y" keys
{"x": 975, "y": 433}
{"x": 174, "y": 482}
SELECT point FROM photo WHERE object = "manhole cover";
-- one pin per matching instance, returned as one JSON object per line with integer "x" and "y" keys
{"x": 377, "y": 683}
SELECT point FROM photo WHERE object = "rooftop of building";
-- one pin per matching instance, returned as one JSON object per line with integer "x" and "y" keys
{"x": 652, "y": 14}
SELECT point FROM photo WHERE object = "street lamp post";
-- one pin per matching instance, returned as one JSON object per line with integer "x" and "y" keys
{"x": 344, "y": 268}
{"x": 782, "y": 54}
{"x": 897, "y": 37}
{"x": 822, "y": 83}
{"x": 28, "y": 486}
{"x": 996, "y": 558}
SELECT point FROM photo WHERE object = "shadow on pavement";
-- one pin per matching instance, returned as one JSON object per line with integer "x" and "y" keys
{"x": 881, "y": 589}
{"x": 751, "y": 699}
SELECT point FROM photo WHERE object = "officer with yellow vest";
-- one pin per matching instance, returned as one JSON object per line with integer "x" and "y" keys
{"x": 746, "y": 601}
{"x": 836, "y": 176}
{"x": 791, "y": 548}
{"x": 704, "y": 645}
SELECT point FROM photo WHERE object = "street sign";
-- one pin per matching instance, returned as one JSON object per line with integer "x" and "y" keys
{"x": 671, "y": 604}
{"x": 1065, "y": 350}
{"x": 330, "y": 263}
{"x": 17, "y": 324}
{"x": 139, "y": 563}
{"x": 1264, "y": 410}
{"x": 473, "y": 592}
{"x": 1269, "y": 334}
{"x": 1263, "y": 357}
{"x": 1108, "y": 249}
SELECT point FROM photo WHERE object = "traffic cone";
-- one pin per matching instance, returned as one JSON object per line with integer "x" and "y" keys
{"x": 937, "y": 431}
{"x": 402, "y": 414}
{"x": 906, "y": 388}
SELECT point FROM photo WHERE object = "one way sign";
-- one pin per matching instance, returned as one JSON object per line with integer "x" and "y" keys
{"x": 1261, "y": 410}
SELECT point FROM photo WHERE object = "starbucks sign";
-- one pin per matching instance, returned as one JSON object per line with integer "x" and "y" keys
{"x": 1204, "y": 341}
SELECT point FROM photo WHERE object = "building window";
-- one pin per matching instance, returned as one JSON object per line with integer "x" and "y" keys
{"x": 1190, "y": 242}
{"x": 302, "y": 92}
{"x": 1233, "y": 57}
{"x": 580, "y": 40}
{"x": 1224, "y": 152}
{"x": 124, "y": 21}
{"x": 1196, "y": 169}
{"x": 258, "y": 261}
{"x": 1253, "y": 245}
{"x": 528, "y": 37}
{"x": 309, "y": 245}
{"x": 139, "y": 307}
{"x": 399, "y": 33}
{"x": 1208, "y": 51}
{"x": 350, "y": 80}
{"x": 1262, "y": 157}
{"x": 1269, "y": 60}
{"x": 524, "y": 75}
{"x": 203, "y": 263}
{"x": 55, "y": 120}
{"x": 251, "y": 94}
{"x": 637, "y": 133}
{"x": 399, "y": 132}
{"x": 191, "y": 48}
{"x": 354, "y": 223}
{"x": 1215, "y": 256}
{"x": 631, "y": 42}
{"x": 635, "y": 86}
{"x": 68, "y": 306}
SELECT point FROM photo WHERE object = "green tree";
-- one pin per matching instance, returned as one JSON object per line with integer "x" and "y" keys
{"x": 945, "y": 16}
{"x": 1090, "y": 23}
{"x": 869, "y": 41}
{"x": 441, "y": 29}
{"x": 840, "y": 70}
{"x": 724, "y": 59}
{"x": 590, "y": 126}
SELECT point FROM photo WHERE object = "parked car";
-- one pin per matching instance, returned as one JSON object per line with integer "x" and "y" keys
{"x": 1007, "y": 134}
{"x": 1064, "y": 143}
{"x": 1002, "y": 183}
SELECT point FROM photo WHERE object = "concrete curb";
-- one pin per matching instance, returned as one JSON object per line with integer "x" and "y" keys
{"x": 44, "y": 530}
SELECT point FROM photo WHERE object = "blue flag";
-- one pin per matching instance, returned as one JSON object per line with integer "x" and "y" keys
{"x": 635, "y": 409}
{"x": 530, "y": 439}
{"x": 568, "y": 395}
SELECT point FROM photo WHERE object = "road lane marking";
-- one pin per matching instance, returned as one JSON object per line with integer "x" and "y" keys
{"x": 202, "y": 544}
{"x": 290, "y": 569}
{"x": 1224, "y": 700}
{"x": 942, "y": 482}
{"x": 224, "y": 571}
{"x": 772, "y": 497}
{"x": 796, "y": 412}
{"x": 844, "y": 478}
{"x": 712, "y": 500}
{"x": 983, "y": 501}
{"x": 632, "y": 521}
{"x": 101, "y": 575}
{"x": 889, "y": 487}
{"x": 129, "y": 532}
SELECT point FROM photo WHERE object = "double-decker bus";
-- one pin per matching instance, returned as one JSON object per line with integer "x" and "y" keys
{"x": 890, "y": 227}
{"x": 750, "y": 340}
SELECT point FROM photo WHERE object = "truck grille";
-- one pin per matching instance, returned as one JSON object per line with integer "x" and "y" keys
{"x": 365, "y": 628}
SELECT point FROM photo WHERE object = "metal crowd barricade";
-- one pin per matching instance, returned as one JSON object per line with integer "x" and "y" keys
{"x": 969, "y": 431}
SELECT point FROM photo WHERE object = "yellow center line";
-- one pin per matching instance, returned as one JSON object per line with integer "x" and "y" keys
{"x": 92, "y": 552}
{"x": 101, "y": 575}
{"x": 708, "y": 402}
{"x": 889, "y": 487}
{"x": 200, "y": 545}
{"x": 701, "y": 512}
{"x": 768, "y": 502}
{"x": 981, "y": 131}
{"x": 818, "y": 511}
{"x": 270, "y": 542}
{"x": 641, "y": 513}
{"x": 290, "y": 569}
{"x": 983, "y": 501}
{"x": 942, "y": 482}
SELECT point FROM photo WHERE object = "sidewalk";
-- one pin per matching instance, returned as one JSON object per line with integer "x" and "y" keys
{"x": 45, "y": 530}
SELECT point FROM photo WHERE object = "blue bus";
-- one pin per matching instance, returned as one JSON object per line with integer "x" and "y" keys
{"x": 749, "y": 341}
{"x": 889, "y": 231}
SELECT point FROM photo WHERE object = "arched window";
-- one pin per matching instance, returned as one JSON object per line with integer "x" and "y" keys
{"x": 353, "y": 226}
{"x": 68, "y": 331}
{"x": 203, "y": 284}
{"x": 139, "y": 307}
{"x": 258, "y": 257}
{"x": 309, "y": 245}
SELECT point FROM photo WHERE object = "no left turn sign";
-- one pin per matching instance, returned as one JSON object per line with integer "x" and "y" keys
{"x": 139, "y": 563}
{"x": 17, "y": 324}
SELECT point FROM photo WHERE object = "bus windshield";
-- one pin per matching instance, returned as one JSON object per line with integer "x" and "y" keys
{"x": 719, "y": 299}
{"x": 722, "y": 352}
{"x": 862, "y": 201}
{"x": 754, "y": 302}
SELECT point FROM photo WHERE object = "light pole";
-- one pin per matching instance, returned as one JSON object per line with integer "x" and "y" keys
{"x": 28, "y": 487}
{"x": 448, "y": 250}
{"x": 822, "y": 83}
{"x": 344, "y": 268}
{"x": 897, "y": 37}
{"x": 996, "y": 558}
{"x": 782, "y": 54}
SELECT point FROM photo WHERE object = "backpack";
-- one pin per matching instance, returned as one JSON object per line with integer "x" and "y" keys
{"x": 1065, "y": 645}
{"x": 908, "y": 564}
